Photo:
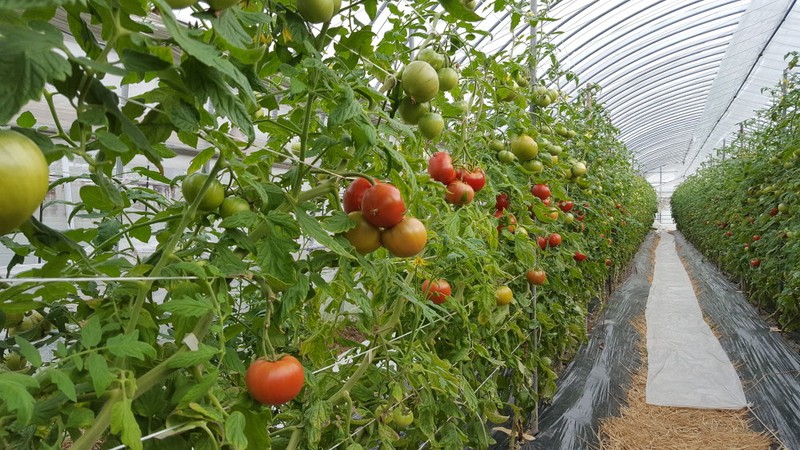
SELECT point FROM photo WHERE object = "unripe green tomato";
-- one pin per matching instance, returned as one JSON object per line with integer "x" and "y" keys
{"x": 533, "y": 165}
{"x": 14, "y": 361}
{"x": 318, "y": 11}
{"x": 233, "y": 205}
{"x": 402, "y": 418}
{"x": 24, "y": 179}
{"x": 496, "y": 145}
{"x": 506, "y": 157}
{"x": 212, "y": 198}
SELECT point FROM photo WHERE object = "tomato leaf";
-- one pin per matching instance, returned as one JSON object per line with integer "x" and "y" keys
{"x": 91, "y": 332}
{"x": 314, "y": 230}
{"x": 346, "y": 107}
{"x": 317, "y": 418}
{"x": 235, "y": 430}
{"x": 187, "y": 306}
{"x": 63, "y": 382}
{"x": 123, "y": 422}
{"x": 98, "y": 371}
{"x": 14, "y": 387}
{"x": 27, "y": 350}
{"x": 125, "y": 345}
{"x": 457, "y": 9}
{"x": 274, "y": 256}
{"x": 27, "y": 55}
{"x": 26, "y": 120}
{"x": 192, "y": 358}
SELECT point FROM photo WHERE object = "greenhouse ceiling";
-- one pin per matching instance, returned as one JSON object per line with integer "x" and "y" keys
{"x": 678, "y": 77}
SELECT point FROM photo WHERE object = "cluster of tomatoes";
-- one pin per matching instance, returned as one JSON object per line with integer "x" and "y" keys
{"x": 380, "y": 216}
{"x": 462, "y": 184}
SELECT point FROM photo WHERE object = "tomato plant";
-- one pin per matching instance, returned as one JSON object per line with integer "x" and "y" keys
{"x": 143, "y": 315}
{"x": 275, "y": 382}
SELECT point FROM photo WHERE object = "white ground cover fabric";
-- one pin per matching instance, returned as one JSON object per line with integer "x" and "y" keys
{"x": 687, "y": 366}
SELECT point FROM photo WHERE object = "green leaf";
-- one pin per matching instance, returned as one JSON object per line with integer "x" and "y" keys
{"x": 346, "y": 107}
{"x": 91, "y": 332}
{"x": 27, "y": 350}
{"x": 203, "y": 52}
{"x": 187, "y": 306}
{"x": 317, "y": 417}
{"x": 457, "y": 9}
{"x": 63, "y": 382}
{"x": 275, "y": 258}
{"x": 26, "y": 120}
{"x": 338, "y": 222}
{"x": 188, "y": 359}
{"x": 98, "y": 371}
{"x": 95, "y": 198}
{"x": 16, "y": 397}
{"x": 27, "y": 56}
{"x": 123, "y": 423}
{"x": 234, "y": 430}
{"x": 314, "y": 229}
{"x": 111, "y": 143}
{"x": 125, "y": 345}
{"x": 143, "y": 62}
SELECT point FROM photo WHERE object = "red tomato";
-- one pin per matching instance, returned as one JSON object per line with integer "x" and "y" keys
{"x": 581, "y": 217}
{"x": 542, "y": 242}
{"x": 476, "y": 179}
{"x": 275, "y": 382}
{"x": 536, "y": 276}
{"x": 383, "y": 205}
{"x": 459, "y": 193}
{"x": 773, "y": 212}
{"x": 547, "y": 202}
{"x": 436, "y": 291}
{"x": 755, "y": 262}
{"x": 460, "y": 173}
{"x": 440, "y": 168}
{"x": 609, "y": 262}
{"x": 405, "y": 239}
{"x": 354, "y": 194}
{"x": 501, "y": 201}
{"x": 728, "y": 233}
{"x": 756, "y": 237}
{"x": 541, "y": 191}
{"x": 566, "y": 205}
{"x": 579, "y": 256}
{"x": 554, "y": 240}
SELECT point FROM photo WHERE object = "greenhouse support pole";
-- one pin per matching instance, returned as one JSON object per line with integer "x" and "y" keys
{"x": 533, "y": 62}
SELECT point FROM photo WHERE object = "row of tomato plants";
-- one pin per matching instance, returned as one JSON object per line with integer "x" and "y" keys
{"x": 741, "y": 210}
{"x": 408, "y": 255}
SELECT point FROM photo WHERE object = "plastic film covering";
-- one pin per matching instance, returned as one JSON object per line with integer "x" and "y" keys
{"x": 686, "y": 365}
{"x": 768, "y": 367}
{"x": 595, "y": 382}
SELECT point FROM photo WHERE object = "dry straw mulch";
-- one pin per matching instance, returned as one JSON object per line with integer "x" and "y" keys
{"x": 642, "y": 426}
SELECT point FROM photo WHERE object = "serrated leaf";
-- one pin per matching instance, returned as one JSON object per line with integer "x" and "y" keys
{"x": 16, "y": 397}
{"x": 346, "y": 107}
{"x": 98, "y": 371}
{"x": 128, "y": 345}
{"x": 338, "y": 222}
{"x": 242, "y": 219}
{"x": 63, "y": 382}
{"x": 123, "y": 423}
{"x": 187, "y": 306}
{"x": 317, "y": 417}
{"x": 142, "y": 62}
{"x": 234, "y": 430}
{"x": 111, "y": 143}
{"x": 275, "y": 258}
{"x": 314, "y": 229}
{"x": 188, "y": 359}
{"x": 27, "y": 350}
{"x": 27, "y": 56}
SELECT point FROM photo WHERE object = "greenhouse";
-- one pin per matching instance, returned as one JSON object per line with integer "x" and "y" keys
{"x": 428, "y": 224}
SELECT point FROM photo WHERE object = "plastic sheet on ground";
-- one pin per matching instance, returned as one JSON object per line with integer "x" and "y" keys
{"x": 768, "y": 366}
{"x": 687, "y": 366}
{"x": 594, "y": 384}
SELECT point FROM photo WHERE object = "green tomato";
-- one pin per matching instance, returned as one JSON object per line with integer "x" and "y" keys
{"x": 402, "y": 418}
{"x": 24, "y": 179}
{"x": 178, "y": 4}
{"x": 233, "y": 205}
{"x": 218, "y": 5}
{"x": 533, "y": 165}
{"x": 431, "y": 125}
{"x": 506, "y": 157}
{"x": 212, "y": 198}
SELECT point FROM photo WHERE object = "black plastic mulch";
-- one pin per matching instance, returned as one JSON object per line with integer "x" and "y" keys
{"x": 593, "y": 386}
{"x": 768, "y": 366}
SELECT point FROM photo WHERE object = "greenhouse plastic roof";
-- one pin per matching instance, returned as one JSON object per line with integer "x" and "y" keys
{"x": 677, "y": 76}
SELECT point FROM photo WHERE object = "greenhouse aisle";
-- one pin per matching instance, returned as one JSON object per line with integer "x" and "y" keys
{"x": 595, "y": 385}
